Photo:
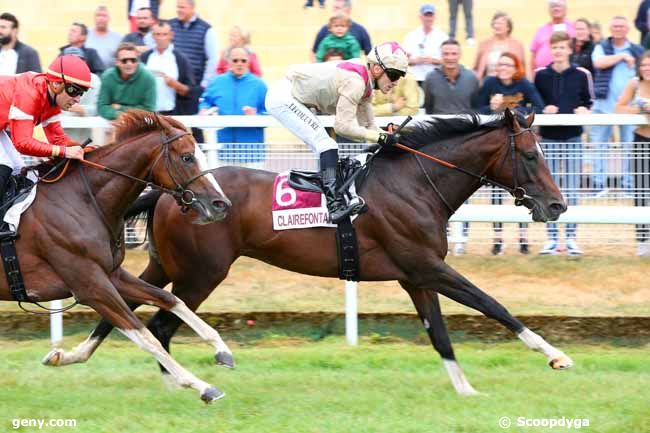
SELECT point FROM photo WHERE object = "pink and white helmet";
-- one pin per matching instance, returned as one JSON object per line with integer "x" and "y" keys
{"x": 389, "y": 55}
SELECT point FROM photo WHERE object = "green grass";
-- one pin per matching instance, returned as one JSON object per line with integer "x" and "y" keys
{"x": 292, "y": 385}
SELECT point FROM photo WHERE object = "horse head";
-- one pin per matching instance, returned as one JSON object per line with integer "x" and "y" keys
{"x": 525, "y": 168}
{"x": 179, "y": 166}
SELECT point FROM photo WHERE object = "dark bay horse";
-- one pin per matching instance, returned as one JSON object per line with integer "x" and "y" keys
{"x": 71, "y": 237}
{"x": 402, "y": 237}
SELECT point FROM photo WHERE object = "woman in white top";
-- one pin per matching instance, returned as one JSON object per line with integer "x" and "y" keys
{"x": 345, "y": 90}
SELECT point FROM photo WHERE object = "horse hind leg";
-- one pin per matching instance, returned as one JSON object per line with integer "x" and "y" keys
{"x": 427, "y": 305}
{"x": 153, "y": 274}
{"x": 136, "y": 290}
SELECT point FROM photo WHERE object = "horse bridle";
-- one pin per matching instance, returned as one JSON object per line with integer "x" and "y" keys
{"x": 518, "y": 192}
{"x": 184, "y": 196}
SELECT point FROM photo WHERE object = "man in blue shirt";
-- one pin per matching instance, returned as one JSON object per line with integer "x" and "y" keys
{"x": 237, "y": 92}
{"x": 614, "y": 62}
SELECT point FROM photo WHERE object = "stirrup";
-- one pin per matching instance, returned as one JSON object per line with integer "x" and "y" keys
{"x": 358, "y": 205}
{"x": 8, "y": 234}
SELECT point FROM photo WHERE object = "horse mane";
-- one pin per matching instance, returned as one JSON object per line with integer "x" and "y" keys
{"x": 130, "y": 124}
{"x": 136, "y": 122}
{"x": 456, "y": 128}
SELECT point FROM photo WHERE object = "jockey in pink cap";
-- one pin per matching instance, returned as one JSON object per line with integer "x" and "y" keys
{"x": 345, "y": 90}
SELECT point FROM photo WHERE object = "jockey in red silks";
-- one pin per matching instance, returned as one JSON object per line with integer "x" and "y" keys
{"x": 345, "y": 90}
{"x": 30, "y": 99}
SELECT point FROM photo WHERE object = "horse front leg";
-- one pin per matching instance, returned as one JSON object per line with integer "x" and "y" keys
{"x": 427, "y": 305}
{"x": 97, "y": 292}
{"x": 135, "y": 290}
{"x": 446, "y": 281}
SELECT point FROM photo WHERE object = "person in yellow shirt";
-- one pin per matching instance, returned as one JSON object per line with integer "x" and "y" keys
{"x": 404, "y": 100}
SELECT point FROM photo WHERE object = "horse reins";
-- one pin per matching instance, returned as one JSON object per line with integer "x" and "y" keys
{"x": 184, "y": 196}
{"x": 518, "y": 192}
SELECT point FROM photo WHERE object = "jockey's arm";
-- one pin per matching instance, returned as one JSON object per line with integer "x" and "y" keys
{"x": 22, "y": 134}
{"x": 346, "y": 122}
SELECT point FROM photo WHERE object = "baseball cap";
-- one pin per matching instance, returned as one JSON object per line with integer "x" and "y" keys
{"x": 75, "y": 51}
{"x": 427, "y": 9}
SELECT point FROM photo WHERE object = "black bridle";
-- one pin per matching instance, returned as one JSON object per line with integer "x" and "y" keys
{"x": 184, "y": 196}
{"x": 518, "y": 192}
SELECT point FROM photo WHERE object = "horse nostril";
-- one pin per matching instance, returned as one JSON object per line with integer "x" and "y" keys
{"x": 558, "y": 208}
{"x": 221, "y": 205}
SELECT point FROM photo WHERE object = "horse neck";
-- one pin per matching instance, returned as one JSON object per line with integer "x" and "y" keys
{"x": 480, "y": 154}
{"x": 115, "y": 193}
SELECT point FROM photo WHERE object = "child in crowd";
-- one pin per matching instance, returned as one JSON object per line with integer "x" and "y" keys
{"x": 340, "y": 38}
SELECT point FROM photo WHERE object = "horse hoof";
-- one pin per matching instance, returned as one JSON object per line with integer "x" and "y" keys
{"x": 225, "y": 359}
{"x": 561, "y": 363}
{"x": 468, "y": 392}
{"x": 211, "y": 394}
{"x": 54, "y": 358}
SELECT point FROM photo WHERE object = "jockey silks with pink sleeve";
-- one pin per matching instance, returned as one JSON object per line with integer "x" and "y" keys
{"x": 343, "y": 89}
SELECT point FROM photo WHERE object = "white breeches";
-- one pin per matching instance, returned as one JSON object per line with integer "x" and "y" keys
{"x": 297, "y": 118}
{"x": 9, "y": 156}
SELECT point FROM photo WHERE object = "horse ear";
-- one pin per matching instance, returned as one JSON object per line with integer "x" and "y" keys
{"x": 511, "y": 119}
{"x": 530, "y": 119}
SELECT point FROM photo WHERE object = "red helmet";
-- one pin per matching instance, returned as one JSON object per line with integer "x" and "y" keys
{"x": 71, "y": 69}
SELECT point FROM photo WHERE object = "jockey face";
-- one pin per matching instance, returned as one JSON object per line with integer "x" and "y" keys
{"x": 62, "y": 98}
{"x": 382, "y": 81}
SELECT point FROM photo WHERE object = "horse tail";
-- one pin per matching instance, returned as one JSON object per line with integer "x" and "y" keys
{"x": 143, "y": 208}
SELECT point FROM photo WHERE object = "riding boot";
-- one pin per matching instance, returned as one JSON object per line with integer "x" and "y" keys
{"x": 5, "y": 174}
{"x": 336, "y": 205}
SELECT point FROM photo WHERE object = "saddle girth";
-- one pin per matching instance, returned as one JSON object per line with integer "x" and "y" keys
{"x": 12, "y": 269}
{"x": 347, "y": 250}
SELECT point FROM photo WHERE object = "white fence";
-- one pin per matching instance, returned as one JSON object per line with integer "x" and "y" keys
{"x": 606, "y": 215}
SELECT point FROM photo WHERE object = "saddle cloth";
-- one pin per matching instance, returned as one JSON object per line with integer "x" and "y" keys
{"x": 296, "y": 209}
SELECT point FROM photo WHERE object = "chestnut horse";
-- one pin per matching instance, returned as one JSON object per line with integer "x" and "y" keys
{"x": 402, "y": 237}
{"x": 71, "y": 237}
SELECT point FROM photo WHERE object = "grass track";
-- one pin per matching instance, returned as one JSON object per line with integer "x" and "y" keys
{"x": 290, "y": 385}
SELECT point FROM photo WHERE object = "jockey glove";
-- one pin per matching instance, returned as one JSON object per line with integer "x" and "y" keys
{"x": 387, "y": 139}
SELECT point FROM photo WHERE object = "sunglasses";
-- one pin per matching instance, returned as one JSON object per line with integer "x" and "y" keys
{"x": 239, "y": 60}
{"x": 74, "y": 90}
{"x": 128, "y": 60}
{"x": 394, "y": 74}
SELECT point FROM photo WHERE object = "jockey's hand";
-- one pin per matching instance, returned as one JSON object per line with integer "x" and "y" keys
{"x": 388, "y": 139}
{"x": 74, "y": 152}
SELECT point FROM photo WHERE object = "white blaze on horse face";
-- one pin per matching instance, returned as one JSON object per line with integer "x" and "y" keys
{"x": 203, "y": 165}
{"x": 539, "y": 148}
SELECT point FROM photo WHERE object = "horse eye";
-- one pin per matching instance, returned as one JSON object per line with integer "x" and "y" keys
{"x": 531, "y": 156}
{"x": 187, "y": 158}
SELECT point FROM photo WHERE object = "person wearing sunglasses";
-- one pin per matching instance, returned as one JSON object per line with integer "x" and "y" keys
{"x": 343, "y": 89}
{"x": 127, "y": 85}
{"x": 30, "y": 99}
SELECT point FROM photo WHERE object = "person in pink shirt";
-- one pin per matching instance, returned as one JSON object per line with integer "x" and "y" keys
{"x": 540, "y": 48}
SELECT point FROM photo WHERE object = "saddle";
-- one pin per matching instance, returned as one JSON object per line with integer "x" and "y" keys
{"x": 311, "y": 181}
{"x": 349, "y": 170}
{"x": 16, "y": 190}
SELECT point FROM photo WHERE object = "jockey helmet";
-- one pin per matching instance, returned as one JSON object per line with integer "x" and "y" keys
{"x": 392, "y": 59}
{"x": 69, "y": 69}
